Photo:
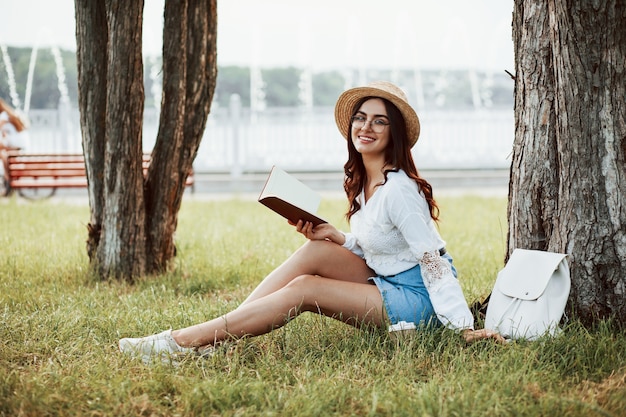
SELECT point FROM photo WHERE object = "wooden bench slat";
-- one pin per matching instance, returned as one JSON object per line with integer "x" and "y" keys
{"x": 48, "y": 183}
{"x": 19, "y": 166}
{"x": 57, "y": 173}
{"x": 27, "y": 159}
{"x": 53, "y": 171}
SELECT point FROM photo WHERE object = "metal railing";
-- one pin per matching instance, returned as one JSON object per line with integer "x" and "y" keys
{"x": 237, "y": 141}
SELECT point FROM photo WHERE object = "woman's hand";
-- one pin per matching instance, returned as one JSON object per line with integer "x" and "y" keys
{"x": 324, "y": 231}
{"x": 474, "y": 335}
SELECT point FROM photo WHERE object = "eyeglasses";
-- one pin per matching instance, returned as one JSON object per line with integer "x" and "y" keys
{"x": 377, "y": 125}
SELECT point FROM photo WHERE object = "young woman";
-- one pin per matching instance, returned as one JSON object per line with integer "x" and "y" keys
{"x": 392, "y": 267}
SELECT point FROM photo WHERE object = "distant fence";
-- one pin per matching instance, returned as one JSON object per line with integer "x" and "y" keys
{"x": 237, "y": 141}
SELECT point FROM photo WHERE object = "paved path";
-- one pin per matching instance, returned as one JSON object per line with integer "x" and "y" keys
{"x": 328, "y": 184}
{"x": 483, "y": 182}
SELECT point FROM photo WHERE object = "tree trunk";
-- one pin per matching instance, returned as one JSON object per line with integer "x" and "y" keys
{"x": 568, "y": 176}
{"x": 91, "y": 57}
{"x": 133, "y": 220}
{"x": 189, "y": 77}
{"x": 121, "y": 252}
{"x": 111, "y": 100}
{"x": 164, "y": 192}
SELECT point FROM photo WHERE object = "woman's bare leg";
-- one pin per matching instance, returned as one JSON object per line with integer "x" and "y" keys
{"x": 351, "y": 302}
{"x": 316, "y": 257}
{"x": 294, "y": 287}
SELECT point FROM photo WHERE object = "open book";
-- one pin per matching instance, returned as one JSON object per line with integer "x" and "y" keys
{"x": 290, "y": 198}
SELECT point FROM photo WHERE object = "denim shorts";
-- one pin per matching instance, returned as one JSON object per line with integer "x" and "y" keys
{"x": 406, "y": 298}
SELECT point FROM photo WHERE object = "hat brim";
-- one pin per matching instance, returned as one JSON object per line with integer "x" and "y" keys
{"x": 348, "y": 99}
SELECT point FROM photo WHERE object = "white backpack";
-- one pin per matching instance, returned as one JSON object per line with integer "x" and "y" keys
{"x": 529, "y": 297}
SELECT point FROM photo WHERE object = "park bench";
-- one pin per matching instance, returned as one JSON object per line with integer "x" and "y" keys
{"x": 37, "y": 176}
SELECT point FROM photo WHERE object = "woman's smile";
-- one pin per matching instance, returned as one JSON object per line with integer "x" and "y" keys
{"x": 365, "y": 139}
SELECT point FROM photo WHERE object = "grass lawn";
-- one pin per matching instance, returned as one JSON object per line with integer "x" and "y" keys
{"x": 59, "y": 329}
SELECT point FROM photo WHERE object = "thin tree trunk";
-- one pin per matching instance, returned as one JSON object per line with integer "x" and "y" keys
{"x": 163, "y": 192}
{"x": 91, "y": 57}
{"x": 201, "y": 72}
{"x": 121, "y": 252}
{"x": 584, "y": 212}
{"x": 189, "y": 77}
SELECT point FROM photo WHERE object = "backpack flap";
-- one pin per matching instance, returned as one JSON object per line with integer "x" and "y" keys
{"x": 527, "y": 273}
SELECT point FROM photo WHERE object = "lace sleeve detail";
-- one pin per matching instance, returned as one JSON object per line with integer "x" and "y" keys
{"x": 445, "y": 292}
{"x": 434, "y": 270}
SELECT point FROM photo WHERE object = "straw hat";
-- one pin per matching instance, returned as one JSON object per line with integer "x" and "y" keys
{"x": 383, "y": 89}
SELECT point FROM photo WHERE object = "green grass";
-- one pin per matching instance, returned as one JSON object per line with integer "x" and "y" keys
{"x": 59, "y": 328}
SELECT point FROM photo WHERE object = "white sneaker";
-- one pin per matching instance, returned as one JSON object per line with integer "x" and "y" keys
{"x": 160, "y": 345}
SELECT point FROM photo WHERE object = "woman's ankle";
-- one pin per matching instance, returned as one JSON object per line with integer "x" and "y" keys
{"x": 178, "y": 339}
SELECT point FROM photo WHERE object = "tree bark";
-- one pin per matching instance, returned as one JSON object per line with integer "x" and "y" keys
{"x": 534, "y": 181}
{"x": 164, "y": 192}
{"x": 189, "y": 77}
{"x": 91, "y": 57}
{"x": 121, "y": 252}
{"x": 134, "y": 217}
{"x": 568, "y": 177}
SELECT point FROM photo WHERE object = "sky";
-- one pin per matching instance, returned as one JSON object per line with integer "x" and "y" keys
{"x": 320, "y": 34}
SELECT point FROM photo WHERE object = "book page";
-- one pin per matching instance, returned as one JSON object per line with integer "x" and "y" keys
{"x": 290, "y": 198}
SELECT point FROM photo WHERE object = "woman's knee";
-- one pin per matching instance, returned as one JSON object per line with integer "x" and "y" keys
{"x": 303, "y": 289}
{"x": 302, "y": 282}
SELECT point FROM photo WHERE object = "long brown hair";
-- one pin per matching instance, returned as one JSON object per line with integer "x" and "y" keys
{"x": 397, "y": 155}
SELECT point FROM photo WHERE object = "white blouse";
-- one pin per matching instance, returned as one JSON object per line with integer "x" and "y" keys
{"x": 394, "y": 232}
